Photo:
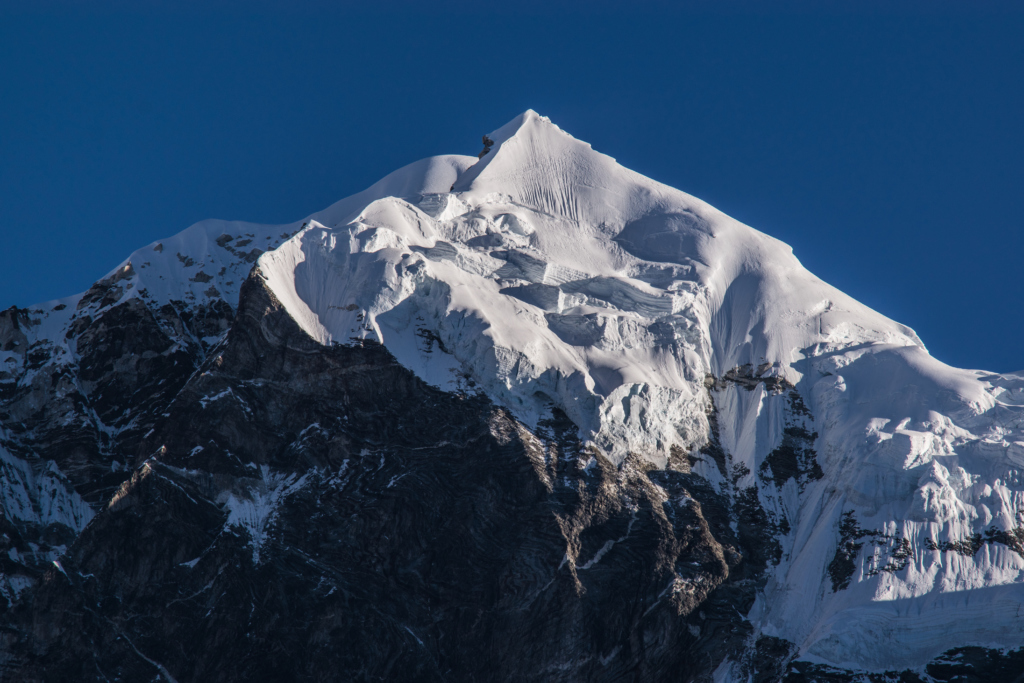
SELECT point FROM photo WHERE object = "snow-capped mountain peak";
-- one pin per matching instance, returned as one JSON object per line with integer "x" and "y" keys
{"x": 585, "y": 286}
{"x": 551, "y": 277}
{"x": 856, "y": 503}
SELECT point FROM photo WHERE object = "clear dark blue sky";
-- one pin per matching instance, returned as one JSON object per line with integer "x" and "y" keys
{"x": 887, "y": 147}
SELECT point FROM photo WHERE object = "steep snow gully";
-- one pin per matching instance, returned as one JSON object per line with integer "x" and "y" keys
{"x": 549, "y": 280}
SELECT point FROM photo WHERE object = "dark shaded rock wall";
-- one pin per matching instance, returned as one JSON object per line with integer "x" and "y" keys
{"x": 78, "y": 391}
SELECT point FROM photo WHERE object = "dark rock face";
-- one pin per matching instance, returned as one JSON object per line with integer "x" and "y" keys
{"x": 74, "y": 408}
{"x": 960, "y": 665}
{"x": 90, "y": 401}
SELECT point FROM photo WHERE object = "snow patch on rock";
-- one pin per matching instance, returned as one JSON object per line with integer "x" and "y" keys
{"x": 40, "y": 494}
{"x": 255, "y": 509}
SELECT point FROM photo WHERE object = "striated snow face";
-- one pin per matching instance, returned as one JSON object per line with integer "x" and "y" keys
{"x": 35, "y": 497}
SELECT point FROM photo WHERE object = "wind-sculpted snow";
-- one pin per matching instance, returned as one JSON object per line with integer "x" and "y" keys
{"x": 921, "y": 457}
{"x": 532, "y": 278}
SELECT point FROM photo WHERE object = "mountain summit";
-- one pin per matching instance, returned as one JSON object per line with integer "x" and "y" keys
{"x": 527, "y": 416}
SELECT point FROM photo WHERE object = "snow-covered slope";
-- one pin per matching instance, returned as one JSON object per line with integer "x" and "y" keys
{"x": 552, "y": 275}
{"x": 547, "y": 275}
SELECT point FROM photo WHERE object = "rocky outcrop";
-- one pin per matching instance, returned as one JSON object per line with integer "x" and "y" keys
{"x": 76, "y": 399}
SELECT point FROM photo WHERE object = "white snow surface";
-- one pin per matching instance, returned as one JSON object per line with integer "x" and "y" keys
{"x": 35, "y": 494}
{"x": 546, "y": 275}
{"x": 553, "y": 276}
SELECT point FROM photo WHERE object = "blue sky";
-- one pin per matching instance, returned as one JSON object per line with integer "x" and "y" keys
{"x": 886, "y": 146}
